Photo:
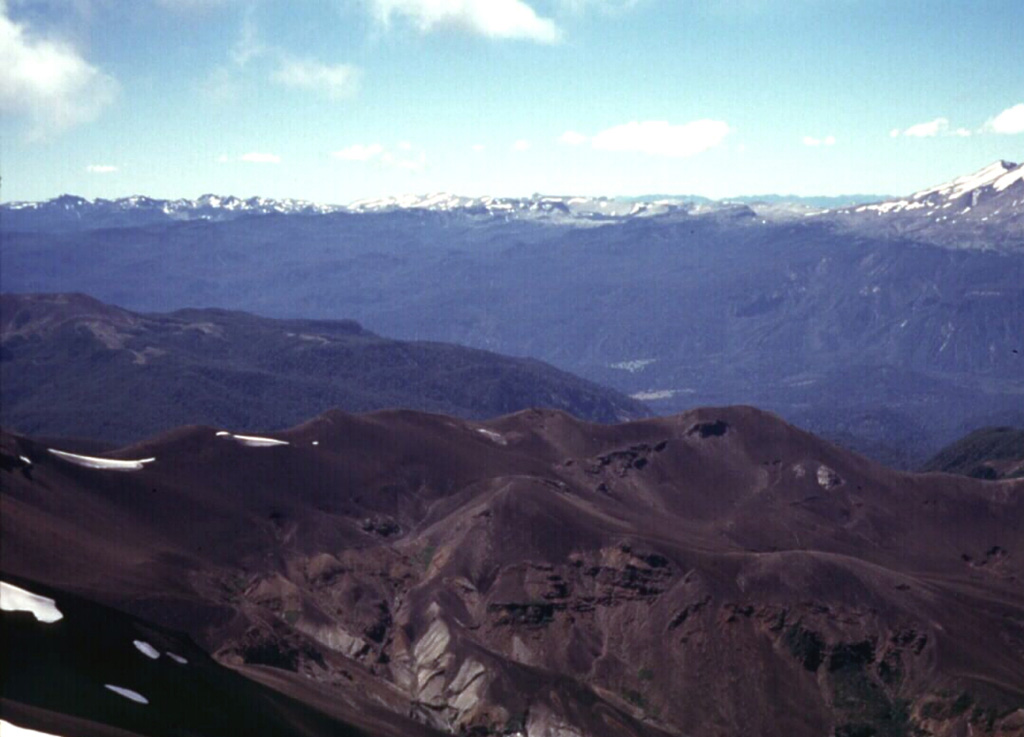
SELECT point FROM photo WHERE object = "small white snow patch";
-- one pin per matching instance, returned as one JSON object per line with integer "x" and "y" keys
{"x": 637, "y": 364}
{"x": 496, "y": 437}
{"x": 146, "y": 649}
{"x": 177, "y": 659}
{"x": 223, "y": 433}
{"x": 25, "y": 460}
{"x": 107, "y": 464}
{"x": 127, "y": 693}
{"x": 13, "y": 730}
{"x": 253, "y": 441}
{"x": 827, "y": 478}
{"x": 654, "y": 394}
{"x": 14, "y": 599}
{"x": 316, "y": 442}
{"x": 258, "y": 442}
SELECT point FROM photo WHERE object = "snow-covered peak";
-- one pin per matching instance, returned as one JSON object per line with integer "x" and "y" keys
{"x": 985, "y": 193}
{"x": 993, "y": 174}
{"x": 1009, "y": 179}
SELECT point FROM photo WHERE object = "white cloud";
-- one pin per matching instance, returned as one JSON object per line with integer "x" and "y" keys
{"x": 932, "y": 128}
{"x": 661, "y": 138}
{"x": 47, "y": 81}
{"x": 256, "y": 157}
{"x": 101, "y": 169}
{"x": 603, "y": 6}
{"x": 334, "y": 81}
{"x": 409, "y": 163}
{"x": 573, "y": 138}
{"x": 406, "y": 159}
{"x": 477, "y": 147}
{"x": 248, "y": 45}
{"x": 358, "y": 152}
{"x": 502, "y": 19}
{"x": 222, "y": 159}
{"x": 940, "y": 126}
{"x": 190, "y": 4}
{"x": 521, "y": 145}
{"x": 1008, "y": 122}
{"x": 815, "y": 142}
{"x": 220, "y": 85}
{"x": 225, "y": 83}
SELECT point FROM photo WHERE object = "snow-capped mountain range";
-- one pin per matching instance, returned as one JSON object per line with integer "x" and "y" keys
{"x": 987, "y": 208}
{"x": 185, "y": 208}
{"x": 214, "y": 207}
{"x": 535, "y": 206}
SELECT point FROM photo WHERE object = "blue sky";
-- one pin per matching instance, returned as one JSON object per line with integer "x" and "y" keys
{"x": 336, "y": 101}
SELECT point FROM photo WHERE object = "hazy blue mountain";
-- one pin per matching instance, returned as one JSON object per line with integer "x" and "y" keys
{"x": 849, "y": 322}
{"x": 72, "y": 366}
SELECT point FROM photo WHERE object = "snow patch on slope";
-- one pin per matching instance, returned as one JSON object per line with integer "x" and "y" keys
{"x": 962, "y": 185}
{"x": 13, "y": 730}
{"x": 252, "y": 441}
{"x": 146, "y": 649}
{"x": 15, "y": 599}
{"x": 127, "y": 693}
{"x": 108, "y": 464}
{"x": 494, "y": 436}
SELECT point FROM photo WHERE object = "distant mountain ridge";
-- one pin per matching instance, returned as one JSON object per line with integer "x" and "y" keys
{"x": 984, "y": 209}
{"x": 980, "y": 210}
{"x": 74, "y": 366}
{"x": 73, "y": 212}
{"x": 70, "y": 212}
{"x": 885, "y": 330}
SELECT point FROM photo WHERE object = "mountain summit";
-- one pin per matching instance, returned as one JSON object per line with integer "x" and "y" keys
{"x": 980, "y": 210}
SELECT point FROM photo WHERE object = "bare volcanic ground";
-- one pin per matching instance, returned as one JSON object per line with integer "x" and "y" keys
{"x": 714, "y": 573}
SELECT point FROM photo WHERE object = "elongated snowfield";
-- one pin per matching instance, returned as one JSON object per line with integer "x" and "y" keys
{"x": 107, "y": 464}
{"x": 13, "y": 730}
{"x": 127, "y": 693}
{"x": 494, "y": 436}
{"x": 253, "y": 441}
{"x": 14, "y": 599}
{"x": 146, "y": 649}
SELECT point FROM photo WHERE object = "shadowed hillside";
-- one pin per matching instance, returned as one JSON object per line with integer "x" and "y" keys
{"x": 73, "y": 366}
{"x": 989, "y": 453}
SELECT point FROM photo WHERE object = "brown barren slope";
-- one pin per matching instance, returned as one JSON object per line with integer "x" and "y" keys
{"x": 715, "y": 573}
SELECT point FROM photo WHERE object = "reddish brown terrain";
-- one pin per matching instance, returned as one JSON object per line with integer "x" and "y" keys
{"x": 715, "y": 573}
